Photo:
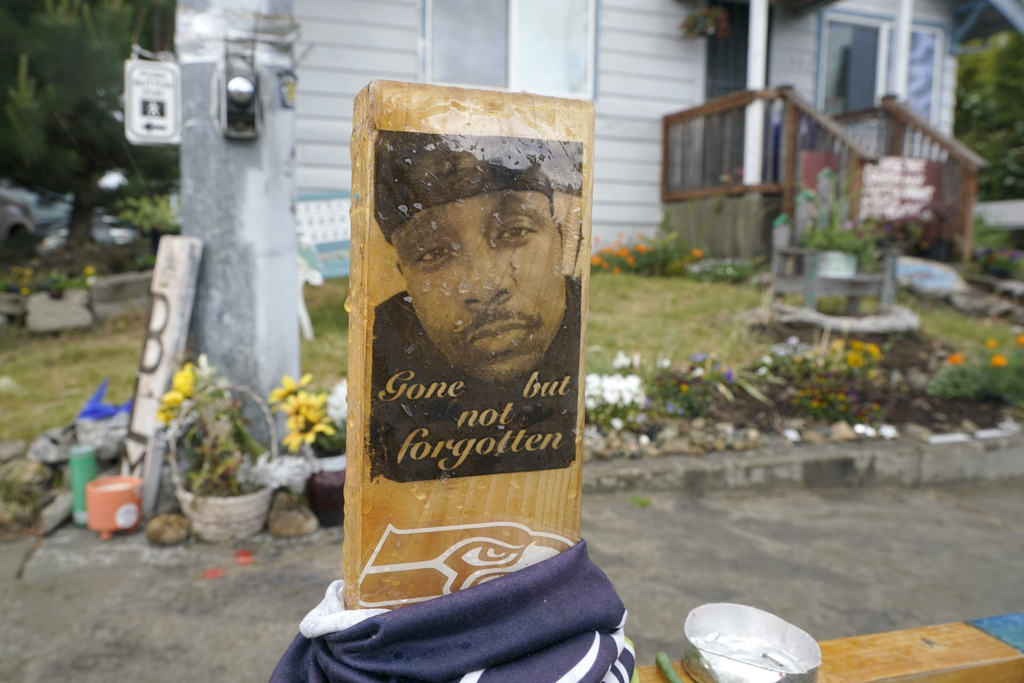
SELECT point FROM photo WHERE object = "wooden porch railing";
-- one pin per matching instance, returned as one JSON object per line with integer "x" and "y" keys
{"x": 892, "y": 129}
{"x": 703, "y": 149}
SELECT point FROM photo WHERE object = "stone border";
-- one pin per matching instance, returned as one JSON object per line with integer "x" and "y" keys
{"x": 872, "y": 463}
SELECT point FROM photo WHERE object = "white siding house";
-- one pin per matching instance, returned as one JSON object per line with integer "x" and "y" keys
{"x": 638, "y": 67}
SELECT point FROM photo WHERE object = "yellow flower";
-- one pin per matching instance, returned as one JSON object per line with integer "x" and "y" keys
{"x": 289, "y": 387}
{"x": 89, "y": 271}
{"x": 293, "y": 441}
{"x": 25, "y": 291}
{"x": 854, "y": 359}
{"x": 184, "y": 380}
{"x": 991, "y": 343}
{"x": 999, "y": 361}
{"x": 874, "y": 351}
{"x": 165, "y": 415}
{"x": 172, "y": 399}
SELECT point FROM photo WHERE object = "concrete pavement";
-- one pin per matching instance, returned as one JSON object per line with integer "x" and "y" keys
{"x": 835, "y": 561}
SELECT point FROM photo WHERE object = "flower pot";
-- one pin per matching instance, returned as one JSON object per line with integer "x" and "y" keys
{"x": 837, "y": 264}
{"x": 326, "y": 491}
{"x": 230, "y": 518}
{"x": 113, "y": 504}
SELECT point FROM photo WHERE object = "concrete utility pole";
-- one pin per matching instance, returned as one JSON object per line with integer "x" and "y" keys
{"x": 238, "y": 183}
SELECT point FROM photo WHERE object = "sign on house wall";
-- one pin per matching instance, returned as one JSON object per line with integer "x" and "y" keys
{"x": 470, "y": 265}
{"x": 324, "y": 231}
{"x": 898, "y": 187}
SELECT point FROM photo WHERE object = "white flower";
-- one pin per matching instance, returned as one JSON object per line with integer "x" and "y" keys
{"x": 337, "y": 403}
{"x": 291, "y": 471}
{"x": 698, "y": 372}
{"x": 792, "y": 435}
{"x": 621, "y": 361}
{"x": 617, "y": 424}
{"x": 766, "y": 360}
{"x": 663, "y": 363}
{"x": 762, "y": 371}
{"x": 888, "y": 432}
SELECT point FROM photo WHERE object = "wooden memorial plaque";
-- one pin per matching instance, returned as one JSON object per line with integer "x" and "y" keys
{"x": 468, "y": 298}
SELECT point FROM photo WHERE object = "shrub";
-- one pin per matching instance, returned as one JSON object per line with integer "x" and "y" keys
{"x": 996, "y": 373}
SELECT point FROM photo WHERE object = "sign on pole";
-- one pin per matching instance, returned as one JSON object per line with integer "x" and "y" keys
{"x": 152, "y": 102}
{"x": 470, "y": 265}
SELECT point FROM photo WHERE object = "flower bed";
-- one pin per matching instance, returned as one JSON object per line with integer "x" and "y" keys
{"x": 879, "y": 388}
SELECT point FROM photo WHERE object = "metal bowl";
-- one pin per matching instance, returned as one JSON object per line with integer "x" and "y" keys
{"x": 728, "y": 643}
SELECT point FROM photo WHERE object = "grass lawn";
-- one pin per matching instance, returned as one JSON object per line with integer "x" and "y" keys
{"x": 657, "y": 318}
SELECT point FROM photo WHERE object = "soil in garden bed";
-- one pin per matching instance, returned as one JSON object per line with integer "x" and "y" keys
{"x": 908, "y": 361}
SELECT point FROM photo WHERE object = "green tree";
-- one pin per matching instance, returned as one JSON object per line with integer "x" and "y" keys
{"x": 61, "y": 82}
{"x": 990, "y": 96}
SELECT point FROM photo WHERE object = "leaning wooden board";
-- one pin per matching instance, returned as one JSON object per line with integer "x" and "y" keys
{"x": 467, "y": 302}
{"x": 946, "y": 653}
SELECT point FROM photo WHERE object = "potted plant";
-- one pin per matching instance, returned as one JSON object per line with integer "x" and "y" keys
{"x": 1001, "y": 263}
{"x": 712, "y": 21}
{"x": 845, "y": 244}
{"x": 219, "y": 491}
{"x": 317, "y": 420}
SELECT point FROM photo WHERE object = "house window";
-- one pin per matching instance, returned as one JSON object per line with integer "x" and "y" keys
{"x": 858, "y": 67}
{"x": 542, "y": 46}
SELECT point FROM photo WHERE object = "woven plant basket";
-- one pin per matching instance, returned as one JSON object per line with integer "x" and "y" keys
{"x": 218, "y": 518}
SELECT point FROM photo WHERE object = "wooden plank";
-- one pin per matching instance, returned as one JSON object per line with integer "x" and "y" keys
{"x": 470, "y": 265}
{"x": 727, "y": 190}
{"x": 173, "y": 289}
{"x": 948, "y": 653}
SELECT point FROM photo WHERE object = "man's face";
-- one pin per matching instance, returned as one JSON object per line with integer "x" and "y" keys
{"x": 485, "y": 277}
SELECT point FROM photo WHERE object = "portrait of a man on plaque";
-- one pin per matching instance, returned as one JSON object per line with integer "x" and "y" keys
{"x": 475, "y": 362}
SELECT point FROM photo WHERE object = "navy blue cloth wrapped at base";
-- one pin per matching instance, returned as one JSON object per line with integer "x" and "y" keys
{"x": 558, "y": 620}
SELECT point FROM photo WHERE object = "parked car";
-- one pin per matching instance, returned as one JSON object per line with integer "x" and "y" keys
{"x": 17, "y": 224}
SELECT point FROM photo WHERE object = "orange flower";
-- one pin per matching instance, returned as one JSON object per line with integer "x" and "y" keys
{"x": 697, "y": 254}
{"x": 597, "y": 240}
{"x": 595, "y": 260}
{"x": 623, "y": 253}
{"x": 616, "y": 270}
{"x": 999, "y": 361}
{"x": 991, "y": 343}
{"x": 956, "y": 359}
{"x": 1020, "y": 340}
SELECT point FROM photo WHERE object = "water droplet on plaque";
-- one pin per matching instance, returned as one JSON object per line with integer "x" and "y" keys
{"x": 407, "y": 299}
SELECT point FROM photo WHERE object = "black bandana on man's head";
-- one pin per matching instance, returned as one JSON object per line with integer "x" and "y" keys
{"x": 416, "y": 171}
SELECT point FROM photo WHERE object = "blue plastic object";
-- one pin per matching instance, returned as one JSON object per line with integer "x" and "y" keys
{"x": 96, "y": 409}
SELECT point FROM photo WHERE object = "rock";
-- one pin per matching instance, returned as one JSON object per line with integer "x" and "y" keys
{"x": 11, "y": 305}
{"x": 842, "y": 431}
{"x": 698, "y": 424}
{"x": 52, "y": 446}
{"x": 898, "y": 319}
{"x": 11, "y": 449}
{"x": 917, "y": 379}
{"x": 47, "y": 315}
{"x": 55, "y": 514}
{"x": 117, "y": 294}
{"x": 753, "y": 437}
{"x": 929, "y": 278}
{"x": 106, "y": 435}
{"x": 27, "y": 474}
{"x": 170, "y": 529}
{"x": 917, "y": 432}
{"x": 814, "y": 437}
{"x": 968, "y": 426}
{"x": 9, "y": 386}
{"x": 288, "y": 518}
